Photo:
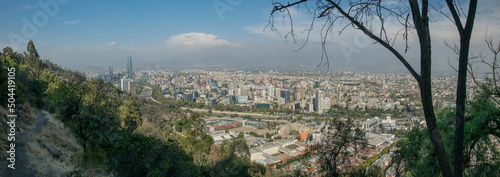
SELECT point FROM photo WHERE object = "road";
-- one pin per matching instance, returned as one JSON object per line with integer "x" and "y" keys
{"x": 229, "y": 112}
{"x": 148, "y": 91}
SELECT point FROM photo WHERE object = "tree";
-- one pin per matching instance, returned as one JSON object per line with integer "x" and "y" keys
{"x": 371, "y": 171}
{"x": 334, "y": 149}
{"x": 37, "y": 71}
{"x": 361, "y": 15}
{"x": 31, "y": 50}
{"x": 98, "y": 113}
{"x": 483, "y": 117}
{"x": 239, "y": 146}
{"x": 86, "y": 108}
{"x": 490, "y": 88}
{"x": 68, "y": 97}
{"x": 130, "y": 115}
{"x": 7, "y": 51}
{"x": 136, "y": 155}
{"x": 481, "y": 154}
{"x": 234, "y": 159}
{"x": 8, "y": 59}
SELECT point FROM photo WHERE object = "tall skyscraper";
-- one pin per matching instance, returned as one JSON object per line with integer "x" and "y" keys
{"x": 317, "y": 101}
{"x": 130, "y": 73}
{"x": 110, "y": 74}
{"x": 285, "y": 93}
{"x": 317, "y": 84}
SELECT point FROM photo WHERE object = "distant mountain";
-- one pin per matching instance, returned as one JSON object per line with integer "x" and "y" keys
{"x": 92, "y": 69}
{"x": 369, "y": 59}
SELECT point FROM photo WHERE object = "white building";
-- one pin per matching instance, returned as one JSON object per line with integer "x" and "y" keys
{"x": 255, "y": 155}
{"x": 269, "y": 148}
{"x": 317, "y": 136}
{"x": 125, "y": 84}
{"x": 369, "y": 124}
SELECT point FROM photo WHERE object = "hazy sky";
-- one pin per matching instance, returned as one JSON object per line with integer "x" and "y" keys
{"x": 77, "y": 34}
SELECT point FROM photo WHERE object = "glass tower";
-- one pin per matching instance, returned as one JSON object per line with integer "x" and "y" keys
{"x": 110, "y": 74}
{"x": 130, "y": 73}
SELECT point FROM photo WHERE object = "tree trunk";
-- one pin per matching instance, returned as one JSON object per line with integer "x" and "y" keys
{"x": 421, "y": 22}
{"x": 460, "y": 103}
{"x": 430, "y": 118}
{"x": 463, "y": 60}
{"x": 435, "y": 135}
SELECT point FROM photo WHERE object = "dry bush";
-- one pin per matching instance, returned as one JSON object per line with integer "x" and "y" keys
{"x": 149, "y": 129}
{"x": 43, "y": 162}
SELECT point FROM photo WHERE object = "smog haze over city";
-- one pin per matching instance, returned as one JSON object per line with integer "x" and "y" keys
{"x": 80, "y": 34}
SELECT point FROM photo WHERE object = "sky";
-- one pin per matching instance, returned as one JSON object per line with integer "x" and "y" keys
{"x": 78, "y": 34}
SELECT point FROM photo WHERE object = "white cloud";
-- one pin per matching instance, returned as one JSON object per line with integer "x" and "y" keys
{"x": 195, "y": 40}
{"x": 69, "y": 22}
{"x": 110, "y": 43}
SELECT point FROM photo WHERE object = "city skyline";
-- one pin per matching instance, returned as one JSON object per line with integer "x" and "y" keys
{"x": 219, "y": 33}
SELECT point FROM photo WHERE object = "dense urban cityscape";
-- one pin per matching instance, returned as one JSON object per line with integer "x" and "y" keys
{"x": 382, "y": 105}
{"x": 234, "y": 88}
{"x": 306, "y": 92}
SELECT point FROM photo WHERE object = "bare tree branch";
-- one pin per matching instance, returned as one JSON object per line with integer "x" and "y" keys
{"x": 363, "y": 15}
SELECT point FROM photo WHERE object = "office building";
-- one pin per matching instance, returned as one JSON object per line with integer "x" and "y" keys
{"x": 263, "y": 105}
{"x": 242, "y": 99}
{"x": 317, "y": 84}
{"x": 318, "y": 101}
{"x": 188, "y": 97}
{"x": 212, "y": 101}
{"x": 130, "y": 72}
{"x": 285, "y": 94}
{"x": 110, "y": 75}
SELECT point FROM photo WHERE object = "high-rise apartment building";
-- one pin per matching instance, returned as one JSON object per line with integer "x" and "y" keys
{"x": 270, "y": 91}
{"x": 125, "y": 84}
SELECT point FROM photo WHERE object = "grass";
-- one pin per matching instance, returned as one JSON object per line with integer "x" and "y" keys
{"x": 44, "y": 164}
{"x": 54, "y": 134}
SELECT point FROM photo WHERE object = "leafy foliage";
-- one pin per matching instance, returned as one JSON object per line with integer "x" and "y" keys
{"x": 87, "y": 109}
{"x": 481, "y": 155}
{"x": 136, "y": 155}
{"x": 371, "y": 171}
{"x": 130, "y": 115}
